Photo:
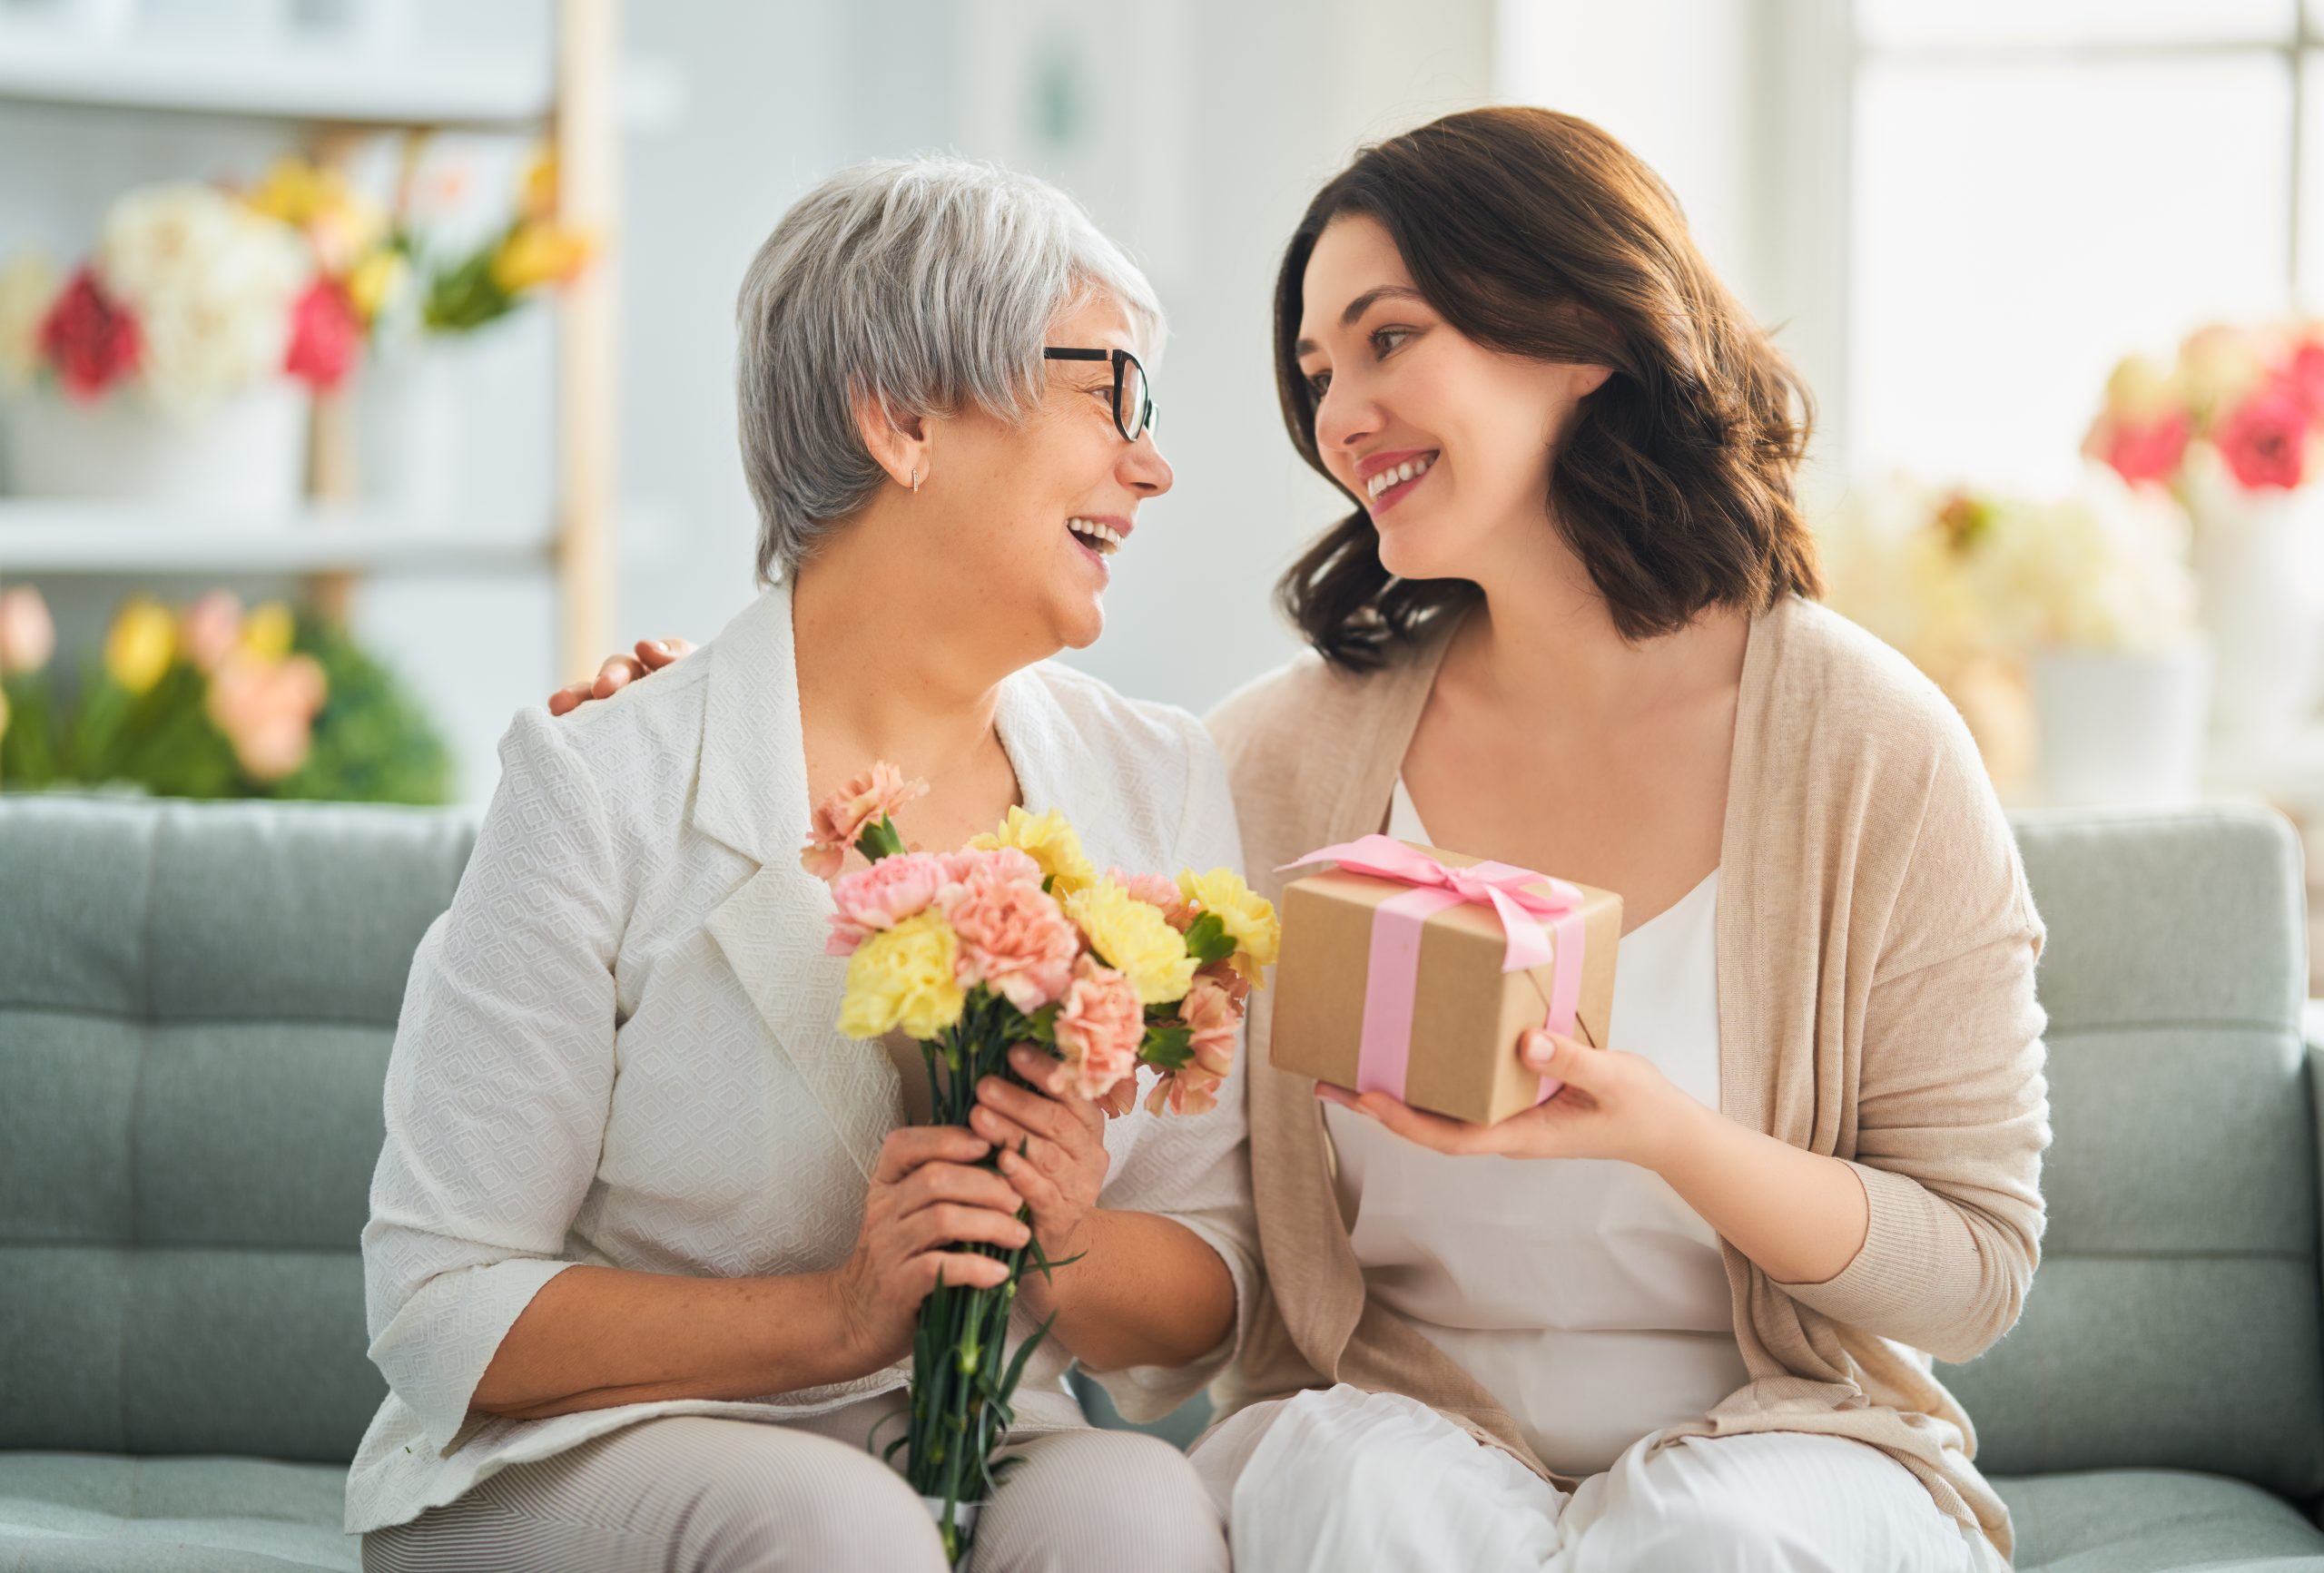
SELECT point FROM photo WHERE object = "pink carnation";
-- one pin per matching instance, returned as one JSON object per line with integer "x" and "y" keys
{"x": 2265, "y": 439}
{"x": 1213, "y": 1017}
{"x": 839, "y": 821}
{"x": 1013, "y": 938}
{"x": 881, "y": 897}
{"x": 2146, "y": 450}
{"x": 1099, "y": 1028}
{"x": 1157, "y": 890}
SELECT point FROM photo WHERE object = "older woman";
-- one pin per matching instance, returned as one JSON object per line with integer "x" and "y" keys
{"x": 648, "y": 1236}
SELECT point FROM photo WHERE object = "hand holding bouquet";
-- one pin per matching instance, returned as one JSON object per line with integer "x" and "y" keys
{"x": 1015, "y": 943}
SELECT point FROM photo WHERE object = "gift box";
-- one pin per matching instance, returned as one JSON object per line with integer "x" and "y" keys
{"x": 1415, "y": 971}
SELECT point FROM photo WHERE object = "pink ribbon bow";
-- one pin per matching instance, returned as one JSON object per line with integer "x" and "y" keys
{"x": 1528, "y": 918}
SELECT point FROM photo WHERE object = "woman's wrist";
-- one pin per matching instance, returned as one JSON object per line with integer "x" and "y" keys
{"x": 819, "y": 1334}
{"x": 1683, "y": 1134}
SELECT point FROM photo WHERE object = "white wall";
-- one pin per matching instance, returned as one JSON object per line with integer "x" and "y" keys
{"x": 1217, "y": 120}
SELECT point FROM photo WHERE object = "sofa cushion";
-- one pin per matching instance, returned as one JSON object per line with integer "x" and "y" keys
{"x": 65, "y": 1512}
{"x": 196, "y": 1007}
{"x": 2155, "y": 1522}
{"x": 2174, "y": 1322}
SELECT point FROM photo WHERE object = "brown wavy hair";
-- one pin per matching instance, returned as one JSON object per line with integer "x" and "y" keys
{"x": 1537, "y": 234}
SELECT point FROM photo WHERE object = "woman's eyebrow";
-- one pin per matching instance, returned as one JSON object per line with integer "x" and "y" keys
{"x": 1360, "y": 305}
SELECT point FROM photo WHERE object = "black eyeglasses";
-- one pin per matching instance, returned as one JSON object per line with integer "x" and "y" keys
{"x": 1133, "y": 397}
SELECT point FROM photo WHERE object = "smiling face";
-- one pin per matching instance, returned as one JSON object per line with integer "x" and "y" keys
{"x": 1446, "y": 443}
{"x": 1033, "y": 511}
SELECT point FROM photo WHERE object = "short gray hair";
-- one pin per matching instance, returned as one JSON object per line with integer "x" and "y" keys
{"x": 923, "y": 283}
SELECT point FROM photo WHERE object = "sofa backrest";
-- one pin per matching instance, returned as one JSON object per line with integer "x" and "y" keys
{"x": 2174, "y": 1321}
{"x": 196, "y": 1005}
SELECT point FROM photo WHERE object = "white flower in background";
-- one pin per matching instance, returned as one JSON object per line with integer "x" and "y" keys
{"x": 1952, "y": 578}
{"x": 29, "y": 287}
{"x": 212, "y": 284}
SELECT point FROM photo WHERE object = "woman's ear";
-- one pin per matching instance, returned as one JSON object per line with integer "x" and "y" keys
{"x": 899, "y": 444}
{"x": 1589, "y": 380}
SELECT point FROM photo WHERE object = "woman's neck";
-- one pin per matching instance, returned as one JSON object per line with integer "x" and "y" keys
{"x": 886, "y": 673}
{"x": 1543, "y": 642}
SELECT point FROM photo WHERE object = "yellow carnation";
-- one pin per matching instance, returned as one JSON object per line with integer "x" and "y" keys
{"x": 1136, "y": 940}
{"x": 537, "y": 253}
{"x": 268, "y": 631}
{"x": 1248, "y": 919}
{"x": 143, "y": 642}
{"x": 1048, "y": 841}
{"x": 903, "y": 976}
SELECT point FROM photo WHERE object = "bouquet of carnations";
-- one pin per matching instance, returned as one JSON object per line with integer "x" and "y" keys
{"x": 2245, "y": 401}
{"x": 1016, "y": 939}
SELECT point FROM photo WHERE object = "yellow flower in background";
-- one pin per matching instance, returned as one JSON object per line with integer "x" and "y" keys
{"x": 538, "y": 198}
{"x": 1135, "y": 940}
{"x": 339, "y": 221}
{"x": 1248, "y": 918}
{"x": 28, "y": 288}
{"x": 142, "y": 644}
{"x": 376, "y": 281}
{"x": 903, "y": 978}
{"x": 268, "y": 631}
{"x": 1049, "y": 841}
{"x": 538, "y": 253}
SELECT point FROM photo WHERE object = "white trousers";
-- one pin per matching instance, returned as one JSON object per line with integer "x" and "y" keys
{"x": 1328, "y": 1481}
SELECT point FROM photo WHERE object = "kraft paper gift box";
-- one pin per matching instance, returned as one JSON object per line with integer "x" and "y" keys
{"x": 1415, "y": 971}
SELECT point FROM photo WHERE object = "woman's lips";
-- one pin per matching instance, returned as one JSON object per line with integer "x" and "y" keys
{"x": 1397, "y": 492}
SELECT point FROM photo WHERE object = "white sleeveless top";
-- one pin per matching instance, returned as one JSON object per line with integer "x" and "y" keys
{"x": 1583, "y": 1294}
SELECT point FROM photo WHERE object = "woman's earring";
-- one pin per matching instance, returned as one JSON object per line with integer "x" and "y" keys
{"x": 915, "y": 481}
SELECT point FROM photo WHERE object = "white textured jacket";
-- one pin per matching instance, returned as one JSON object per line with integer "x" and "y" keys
{"x": 617, "y": 1046}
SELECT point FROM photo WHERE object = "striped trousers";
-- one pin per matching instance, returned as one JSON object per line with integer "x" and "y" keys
{"x": 701, "y": 1494}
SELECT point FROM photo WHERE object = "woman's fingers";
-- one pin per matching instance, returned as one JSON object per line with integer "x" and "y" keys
{"x": 653, "y": 655}
{"x": 1009, "y": 1137}
{"x": 1042, "y": 1114}
{"x": 615, "y": 675}
{"x": 1413, "y": 1124}
{"x": 951, "y": 1224}
{"x": 944, "y": 1182}
{"x": 570, "y": 697}
{"x": 1563, "y": 1059}
{"x": 962, "y": 1269}
{"x": 1029, "y": 1179}
{"x": 909, "y": 1146}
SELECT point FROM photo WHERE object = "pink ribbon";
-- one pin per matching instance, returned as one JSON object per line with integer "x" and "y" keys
{"x": 1528, "y": 918}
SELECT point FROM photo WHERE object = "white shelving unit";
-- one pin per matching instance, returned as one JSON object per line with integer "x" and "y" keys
{"x": 569, "y": 93}
{"x": 335, "y": 87}
{"x": 72, "y": 538}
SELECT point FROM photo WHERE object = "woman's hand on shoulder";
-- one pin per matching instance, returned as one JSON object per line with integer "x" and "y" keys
{"x": 619, "y": 672}
{"x": 926, "y": 1198}
{"x": 1611, "y": 1105}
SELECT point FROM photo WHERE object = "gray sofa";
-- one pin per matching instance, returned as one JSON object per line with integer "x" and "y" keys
{"x": 195, "y": 1009}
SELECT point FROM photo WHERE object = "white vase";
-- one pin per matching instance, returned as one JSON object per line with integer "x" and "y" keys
{"x": 2122, "y": 728}
{"x": 408, "y": 408}
{"x": 2256, "y": 557}
{"x": 246, "y": 457}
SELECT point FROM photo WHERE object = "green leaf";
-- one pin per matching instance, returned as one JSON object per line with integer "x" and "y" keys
{"x": 1168, "y": 1047}
{"x": 880, "y": 839}
{"x": 1207, "y": 940}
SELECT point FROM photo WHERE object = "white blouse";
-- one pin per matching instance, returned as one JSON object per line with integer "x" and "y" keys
{"x": 620, "y": 1044}
{"x": 1583, "y": 1294}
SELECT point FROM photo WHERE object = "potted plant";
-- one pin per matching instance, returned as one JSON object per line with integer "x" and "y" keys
{"x": 178, "y": 360}
{"x": 2230, "y": 428}
{"x": 2065, "y": 629}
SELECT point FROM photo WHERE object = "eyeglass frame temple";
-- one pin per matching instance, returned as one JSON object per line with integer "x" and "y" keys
{"x": 1122, "y": 359}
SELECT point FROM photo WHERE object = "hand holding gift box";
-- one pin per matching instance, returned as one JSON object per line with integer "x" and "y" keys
{"x": 1414, "y": 972}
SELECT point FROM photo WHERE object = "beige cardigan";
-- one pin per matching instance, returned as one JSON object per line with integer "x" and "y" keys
{"x": 1876, "y": 945}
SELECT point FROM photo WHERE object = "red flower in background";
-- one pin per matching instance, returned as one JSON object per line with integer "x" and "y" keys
{"x": 325, "y": 336}
{"x": 2146, "y": 450}
{"x": 2264, "y": 440}
{"x": 91, "y": 342}
{"x": 2305, "y": 376}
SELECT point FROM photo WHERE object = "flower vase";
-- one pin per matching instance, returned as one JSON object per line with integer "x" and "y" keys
{"x": 2121, "y": 727}
{"x": 2256, "y": 556}
{"x": 247, "y": 456}
{"x": 411, "y": 425}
